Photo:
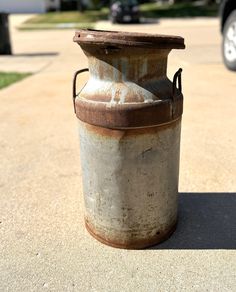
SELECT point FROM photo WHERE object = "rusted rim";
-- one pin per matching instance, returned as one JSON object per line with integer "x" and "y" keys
{"x": 138, "y": 244}
{"x": 127, "y": 39}
{"x": 129, "y": 115}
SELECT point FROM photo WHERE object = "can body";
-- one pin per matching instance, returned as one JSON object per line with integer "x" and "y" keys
{"x": 130, "y": 183}
{"x": 129, "y": 123}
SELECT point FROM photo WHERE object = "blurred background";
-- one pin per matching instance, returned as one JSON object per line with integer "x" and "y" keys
{"x": 20, "y": 21}
{"x": 44, "y": 244}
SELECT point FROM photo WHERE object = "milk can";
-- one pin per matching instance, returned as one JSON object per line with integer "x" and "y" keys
{"x": 129, "y": 127}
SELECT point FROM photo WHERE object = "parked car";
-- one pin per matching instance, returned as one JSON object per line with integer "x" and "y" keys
{"x": 122, "y": 11}
{"x": 228, "y": 29}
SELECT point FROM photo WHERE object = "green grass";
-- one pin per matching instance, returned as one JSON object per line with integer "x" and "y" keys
{"x": 87, "y": 19}
{"x": 70, "y": 19}
{"x": 46, "y": 26}
{"x": 154, "y": 10}
{"x": 7, "y": 79}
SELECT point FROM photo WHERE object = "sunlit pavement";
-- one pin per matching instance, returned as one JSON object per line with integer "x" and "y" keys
{"x": 44, "y": 245}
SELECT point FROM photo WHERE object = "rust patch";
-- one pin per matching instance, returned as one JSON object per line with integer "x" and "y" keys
{"x": 125, "y": 133}
{"x": 129, "y": 115}
{"x": 159, "y": 237}
{"x": 113, "y": 40}
{"x": 129, "y": 97}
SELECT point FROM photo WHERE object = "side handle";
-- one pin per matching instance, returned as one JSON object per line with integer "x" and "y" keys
{"x": 177, "y": 77}
{"x": 74, "y": 84}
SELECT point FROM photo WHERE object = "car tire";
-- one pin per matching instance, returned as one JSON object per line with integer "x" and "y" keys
{"x": 229, "y": 42}
{"x": 113, "y": 20}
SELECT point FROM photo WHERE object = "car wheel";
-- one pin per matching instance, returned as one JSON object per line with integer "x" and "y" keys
{"x": 113, "y": 20}
{"x": 229, "y": 42}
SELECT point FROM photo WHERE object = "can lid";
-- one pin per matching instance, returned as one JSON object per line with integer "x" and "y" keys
{"x": 127, "y": 39}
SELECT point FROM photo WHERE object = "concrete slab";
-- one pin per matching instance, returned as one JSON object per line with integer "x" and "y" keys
{"x": 26, "y": 57}
{"x": 44, "y": 245}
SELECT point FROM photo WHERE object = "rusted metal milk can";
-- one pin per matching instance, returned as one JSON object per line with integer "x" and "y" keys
{"x": 129, "y": 124}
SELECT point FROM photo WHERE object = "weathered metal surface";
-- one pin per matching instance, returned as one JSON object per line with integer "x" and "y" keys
{"x": 132, "y": 244}
{"x": 130, "y": 183}
{"x": 129, "y": 90}
{"x": 117, "y": 38}
{"x": 130, "y": 116}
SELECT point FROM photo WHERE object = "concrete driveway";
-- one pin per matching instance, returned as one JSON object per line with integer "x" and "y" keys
{"x": 44, "y": 245}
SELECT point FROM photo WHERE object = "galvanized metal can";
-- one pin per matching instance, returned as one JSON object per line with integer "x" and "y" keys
{"x": 129, "y": 123}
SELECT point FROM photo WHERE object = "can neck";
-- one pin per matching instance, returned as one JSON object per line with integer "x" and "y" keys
{"x": 134, "y": 65}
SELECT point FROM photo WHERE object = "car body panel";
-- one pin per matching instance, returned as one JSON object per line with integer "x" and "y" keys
{"x": 124, "y": 11}
{"x": 226, "y": 7}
